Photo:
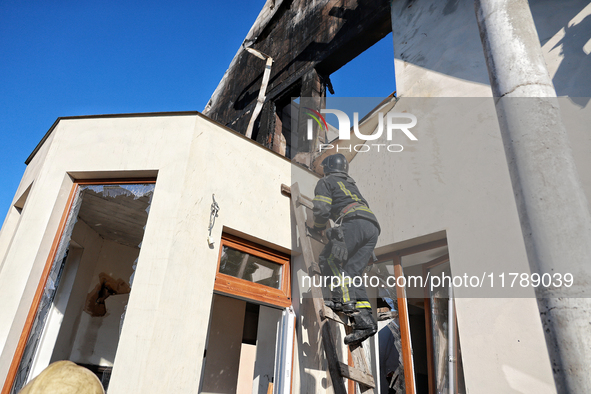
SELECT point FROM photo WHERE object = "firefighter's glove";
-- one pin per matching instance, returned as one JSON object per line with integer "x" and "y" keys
{"x": 339, "y": 250}
{"x": 335, "y": 233}
{"x": 314, "y": 233}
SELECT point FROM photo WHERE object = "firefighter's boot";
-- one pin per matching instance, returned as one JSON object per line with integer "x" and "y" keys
{"x": 335, "y": 304}
{"x": 349, "y": 308}
{"x": 333, "y": 299}
{"x": 364, "y": 326}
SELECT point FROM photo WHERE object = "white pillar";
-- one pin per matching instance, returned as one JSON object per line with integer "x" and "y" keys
{"x": 553, "y": 210}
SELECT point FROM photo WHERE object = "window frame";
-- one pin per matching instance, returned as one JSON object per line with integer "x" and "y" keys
{"x": 241, "y": 288}
{"x": 35, "y": 303}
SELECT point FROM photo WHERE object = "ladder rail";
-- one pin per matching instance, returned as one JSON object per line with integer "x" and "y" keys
{"x": 337, "y": 370}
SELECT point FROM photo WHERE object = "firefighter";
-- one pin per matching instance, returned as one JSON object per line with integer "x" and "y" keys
{"x": 351, "y": 245}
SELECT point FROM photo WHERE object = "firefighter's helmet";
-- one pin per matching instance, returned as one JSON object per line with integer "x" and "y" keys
{"x": 335, "y": 163}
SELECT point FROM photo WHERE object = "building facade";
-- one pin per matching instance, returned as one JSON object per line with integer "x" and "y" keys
{"x": 160, "y": 250}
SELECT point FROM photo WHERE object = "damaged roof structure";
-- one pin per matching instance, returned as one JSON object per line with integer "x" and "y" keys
{"x": 165, "y": 251}
{"x": 307, "y": 43}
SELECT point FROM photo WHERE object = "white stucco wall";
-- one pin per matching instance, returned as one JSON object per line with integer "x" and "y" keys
{"x": 455, "y": 179}
{"x": 78, "y": 145}
{"x": 168, "y": 312}
{"x": 564, "y": 29}
{"x": 220, "y": 373}
{"x": 437, "y": 49}
{"x": 12, "y": 220}
{"x": 438, "y": 52}
{"x": 576, "y": 121}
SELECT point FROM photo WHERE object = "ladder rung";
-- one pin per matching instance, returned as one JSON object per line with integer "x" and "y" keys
{"x": 314, "y": 269}
{"x": 315, "y": 237}
{"x": 305, "y": 202}
{"x": 329, "y": 314}
{"x": 352, "y": 373}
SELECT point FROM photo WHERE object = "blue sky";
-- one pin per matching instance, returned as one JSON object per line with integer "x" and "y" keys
{"x": 66, "y": 58}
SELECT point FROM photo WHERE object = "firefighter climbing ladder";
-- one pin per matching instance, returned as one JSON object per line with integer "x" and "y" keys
{"x": 338, "y": 370}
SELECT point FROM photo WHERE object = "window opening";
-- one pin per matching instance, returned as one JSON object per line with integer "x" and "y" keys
{"x": 358, "y": 77}
{"x": 251, "y": 330}
{"x": 20, "y": 203}
{"x": 414, "y": 327}
{"x": 12, "y": 223}
{"x": 81, "y": 305}
{"x": 251, "y": 271}
{"x": 240, "y": 356}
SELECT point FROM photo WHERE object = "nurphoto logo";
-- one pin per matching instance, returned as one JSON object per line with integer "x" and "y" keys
{"x": 392, "y": 124}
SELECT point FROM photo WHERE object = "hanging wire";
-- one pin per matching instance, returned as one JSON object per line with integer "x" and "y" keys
{"x": 215, "y": 208}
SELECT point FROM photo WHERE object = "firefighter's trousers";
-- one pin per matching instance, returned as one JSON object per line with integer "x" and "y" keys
{"x": 361, "y": 237}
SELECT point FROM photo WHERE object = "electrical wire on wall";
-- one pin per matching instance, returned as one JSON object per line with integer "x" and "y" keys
{"x": 215, "y": 208}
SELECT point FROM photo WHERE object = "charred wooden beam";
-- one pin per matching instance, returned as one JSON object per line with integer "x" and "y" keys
{"x": 307, "y": 41}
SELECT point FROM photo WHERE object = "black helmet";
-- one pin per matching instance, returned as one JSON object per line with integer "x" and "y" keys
{"x": 335, "y": 163}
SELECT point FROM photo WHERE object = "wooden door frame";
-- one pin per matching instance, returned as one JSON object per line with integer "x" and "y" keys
{"x": 407, "y": 357}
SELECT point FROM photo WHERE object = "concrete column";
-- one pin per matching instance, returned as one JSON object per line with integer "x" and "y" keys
{"x": 553, "y": 210}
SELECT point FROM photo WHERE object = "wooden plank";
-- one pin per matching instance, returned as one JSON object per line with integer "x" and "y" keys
{"x": 285, "y": 190}
{"x": 332, "y": 359}
{"x": 409, "y": 375}
{"x": 325, "y": 42}
{"x": 360, "y": 363}
{"x": 356, "y": 375}
{"x": 317, "y": 298}
{"x": 305, "y": 202}
{"x": 262, "y": 91}
{"x": 314, "y": 269}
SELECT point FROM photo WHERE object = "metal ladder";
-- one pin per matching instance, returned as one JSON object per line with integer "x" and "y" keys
{"x": 360, "y": 373}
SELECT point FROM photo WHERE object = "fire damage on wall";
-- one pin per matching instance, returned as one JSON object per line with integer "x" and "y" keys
{"x": 307, "y": 42}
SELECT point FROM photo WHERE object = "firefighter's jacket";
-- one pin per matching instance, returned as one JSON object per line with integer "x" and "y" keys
{"x": 337, "y": 195}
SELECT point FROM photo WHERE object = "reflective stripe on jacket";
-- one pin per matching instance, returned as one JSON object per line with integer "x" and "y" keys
{"x": 334, "y": 193}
